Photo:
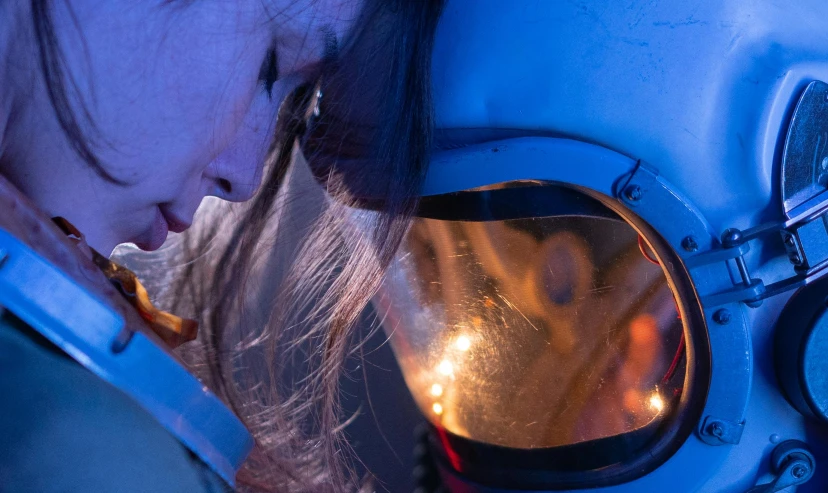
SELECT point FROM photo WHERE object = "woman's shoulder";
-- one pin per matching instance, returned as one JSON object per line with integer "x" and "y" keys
{"x": 80, "y": 378}
{"x": 65, "y": 429}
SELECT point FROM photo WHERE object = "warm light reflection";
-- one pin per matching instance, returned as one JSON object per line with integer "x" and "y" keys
{"x": 535, "y": 332}
{"x": 656, "y": 402}
{"x": 436, "y": 390}
{"x": 463, "y": 343}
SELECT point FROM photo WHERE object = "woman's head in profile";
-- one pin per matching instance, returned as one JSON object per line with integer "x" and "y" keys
{"x": 150, "y": 106}
{"x": 122, "y": 115}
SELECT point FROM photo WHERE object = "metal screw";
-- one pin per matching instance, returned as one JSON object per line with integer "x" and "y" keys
{"x": 716, "y": 429}
{"x": 731, "y": 237}
{"x": 800, "y": 471}
{"x": 633, "y": 193}
{"x": 795, "y": 258}
{"x": 722, "y": 316}
{"x": 690, "y": 244}
{"x": 789, "y": 241}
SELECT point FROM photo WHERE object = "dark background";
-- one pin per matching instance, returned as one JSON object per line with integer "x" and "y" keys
{"x": 383, "y": 434}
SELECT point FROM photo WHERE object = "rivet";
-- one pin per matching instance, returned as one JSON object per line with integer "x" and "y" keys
{"x": 799, "y": 471}
{"x": 789, "y": 241}
{"x": 722, "y": 316}
{"x": 633, "y": 193}
{"x": 716, "y": 429}
{"x": 731, "y": 237}
{"x": 690, "y": 244}
{"x": 795, "y": 258}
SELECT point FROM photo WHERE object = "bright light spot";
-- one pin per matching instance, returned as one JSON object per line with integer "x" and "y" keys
{"x": 656, "y": 402}
{"x": 436, "y": 390}
{"x": 445, "y": 367}
{"x": 463, "y": 343}
{"x": 437, "y": 408}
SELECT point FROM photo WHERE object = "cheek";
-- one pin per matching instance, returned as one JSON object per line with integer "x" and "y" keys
{"x": 171, "y": 92}
{"x": 196, "y": 125}
{"x": 242, "y": 162}
{"x": 209, "y": 109}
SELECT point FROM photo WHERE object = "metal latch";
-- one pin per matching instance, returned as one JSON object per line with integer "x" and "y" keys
{"x": 804, "y": 232}
{"x": 805, "y": 238}
{"x": 715, "y": 431}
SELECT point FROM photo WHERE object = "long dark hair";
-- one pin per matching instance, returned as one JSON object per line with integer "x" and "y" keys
{"x": 371, "y": 138}
{"x": 63, "y": 91}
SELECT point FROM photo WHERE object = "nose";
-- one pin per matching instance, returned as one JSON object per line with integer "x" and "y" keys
{"x": 236, "y": 173}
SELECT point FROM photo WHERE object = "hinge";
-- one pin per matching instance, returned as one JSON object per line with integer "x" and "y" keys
{"x": 805, "y": 238}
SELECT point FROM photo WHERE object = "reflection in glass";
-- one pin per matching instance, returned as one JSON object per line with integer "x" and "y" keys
{"x": 534, "y": 332}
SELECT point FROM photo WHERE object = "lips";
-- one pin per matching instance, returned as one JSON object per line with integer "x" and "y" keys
{"x": 164, "y": 221}
{"x": 174, "y": 224}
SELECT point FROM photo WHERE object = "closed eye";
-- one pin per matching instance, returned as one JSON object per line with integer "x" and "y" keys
{"x": 269, "y": 73}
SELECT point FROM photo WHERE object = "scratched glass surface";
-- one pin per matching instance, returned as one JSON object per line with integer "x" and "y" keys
{"x": 534, "y": 332}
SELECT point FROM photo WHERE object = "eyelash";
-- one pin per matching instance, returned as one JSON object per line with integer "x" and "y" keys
{"x": 269, "y": 73}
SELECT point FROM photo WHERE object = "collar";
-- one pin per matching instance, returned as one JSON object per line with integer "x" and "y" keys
{"x": 52, "y": 283}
